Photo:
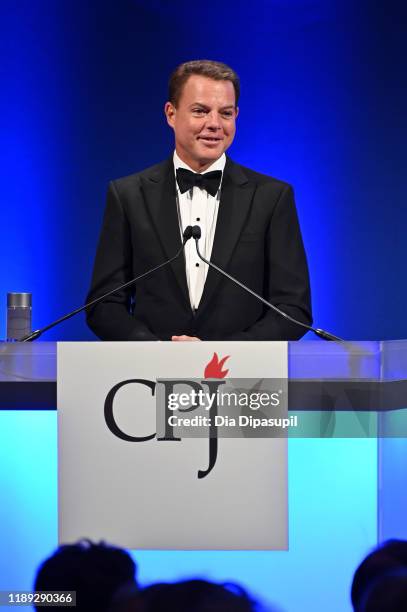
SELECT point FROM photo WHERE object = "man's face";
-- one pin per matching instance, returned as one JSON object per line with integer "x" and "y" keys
{"x": 204, "y": 122}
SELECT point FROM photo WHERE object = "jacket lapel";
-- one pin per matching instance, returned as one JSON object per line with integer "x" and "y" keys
{"x": 160, "y": 193}
{"x": 235, "y": 201}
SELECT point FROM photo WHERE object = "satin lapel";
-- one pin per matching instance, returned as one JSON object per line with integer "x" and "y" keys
{"x": 160, "y": 193}
{"x": 234, "y": 207}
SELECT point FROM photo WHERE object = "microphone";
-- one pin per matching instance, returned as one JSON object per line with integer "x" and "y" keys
{"x": 196, "y": 234}
{"x": 37, "y": 333}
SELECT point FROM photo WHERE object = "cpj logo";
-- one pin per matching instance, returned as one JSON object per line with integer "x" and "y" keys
{"x": 220, "y": 407}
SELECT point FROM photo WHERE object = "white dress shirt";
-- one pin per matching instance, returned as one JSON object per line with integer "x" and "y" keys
{"x": 197, "y": 207}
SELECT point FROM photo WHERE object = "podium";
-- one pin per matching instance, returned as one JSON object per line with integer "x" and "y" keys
{"x": 349, "y": 491}
{"x": 137, "y": 471}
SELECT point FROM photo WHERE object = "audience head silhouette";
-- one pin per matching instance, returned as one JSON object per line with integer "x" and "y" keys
{"x": 380, "y": 581}
{"x": 190, "y": 596}
{"x": 97, "y": 572}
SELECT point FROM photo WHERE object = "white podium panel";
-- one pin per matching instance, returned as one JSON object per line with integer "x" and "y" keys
{"x": 146, "y": 494}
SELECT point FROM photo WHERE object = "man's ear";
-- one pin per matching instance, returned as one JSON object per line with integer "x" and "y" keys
{"x": 170, "y": 111}
{"x": 237, "y": 112}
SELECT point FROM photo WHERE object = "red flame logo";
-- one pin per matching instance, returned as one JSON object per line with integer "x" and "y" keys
{"x": 214, "y": 367}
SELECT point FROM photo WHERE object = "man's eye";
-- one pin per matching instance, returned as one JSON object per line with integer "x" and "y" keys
{"x": 227, "y": 114}
{"x": 198, "y": 111}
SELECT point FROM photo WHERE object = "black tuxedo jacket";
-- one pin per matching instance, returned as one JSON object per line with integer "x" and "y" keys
{"x": 257, "y": 240}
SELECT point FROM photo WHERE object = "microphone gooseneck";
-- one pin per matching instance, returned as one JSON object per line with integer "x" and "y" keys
{"x": 37, "y": 333}
{"x": 196, "y": 234}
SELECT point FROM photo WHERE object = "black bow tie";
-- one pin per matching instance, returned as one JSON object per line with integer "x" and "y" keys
{"x": 209, "y": 181}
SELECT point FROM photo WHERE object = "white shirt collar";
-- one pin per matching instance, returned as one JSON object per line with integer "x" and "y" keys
{"x": 219, "y": 164}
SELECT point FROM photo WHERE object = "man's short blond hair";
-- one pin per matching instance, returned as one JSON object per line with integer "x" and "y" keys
{"x": 207, "y": 68}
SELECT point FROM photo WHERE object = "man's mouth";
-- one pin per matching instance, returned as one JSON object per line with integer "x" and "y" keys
{"x": 209, "y": 138}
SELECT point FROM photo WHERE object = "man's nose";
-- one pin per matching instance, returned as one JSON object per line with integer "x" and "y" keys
{"x": 213, "y": 121}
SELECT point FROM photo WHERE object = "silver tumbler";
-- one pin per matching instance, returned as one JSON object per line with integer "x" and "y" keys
{"x": 18, "y": 316}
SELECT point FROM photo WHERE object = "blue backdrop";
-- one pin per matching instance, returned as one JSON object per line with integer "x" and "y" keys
{"x": 323, "y": 107}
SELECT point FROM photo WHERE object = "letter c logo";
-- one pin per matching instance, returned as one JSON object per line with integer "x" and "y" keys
{"x": 109, "y": 417}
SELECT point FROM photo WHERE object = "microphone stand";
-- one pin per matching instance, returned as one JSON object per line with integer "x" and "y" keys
{"x": 37, "y": 333}
{"x": 196, "y": 234}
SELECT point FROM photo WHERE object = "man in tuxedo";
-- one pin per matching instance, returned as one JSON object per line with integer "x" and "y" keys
{"x": 249, "y": 228}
